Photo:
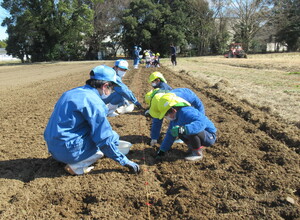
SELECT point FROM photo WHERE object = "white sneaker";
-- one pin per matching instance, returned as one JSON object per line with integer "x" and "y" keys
{"x": 195, "y": 155}
{"x": 88, "y": 169}
{"x": 111, "y": 110}
{"x": 83, "y": 166}
{"x": 153, "y": 142}
{"x": 125, "y": 109}
{"x": 78, "y": 171}
{"x": 129, "y": 108}
{"x": 112, "y": 114}
{"x": 178, "y": 141}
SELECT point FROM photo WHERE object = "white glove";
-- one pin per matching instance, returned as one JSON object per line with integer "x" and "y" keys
{"x": 153, "y": 142}
{"x": 147, "y": 113}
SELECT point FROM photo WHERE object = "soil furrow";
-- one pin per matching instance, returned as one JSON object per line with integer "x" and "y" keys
{"x": 252, "y": 172}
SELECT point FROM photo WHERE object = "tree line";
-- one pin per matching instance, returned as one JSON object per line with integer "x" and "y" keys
{"x": 77, "y": 29}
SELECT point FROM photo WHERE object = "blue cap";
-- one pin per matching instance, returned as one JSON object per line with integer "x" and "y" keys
{"x": 121, "y": 63}
{"x": 105, "y": 73}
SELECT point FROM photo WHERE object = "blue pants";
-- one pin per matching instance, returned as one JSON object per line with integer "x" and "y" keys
{"x": 156, "y": 128}
{"x": 136, "y": 61}
{"x": 204, "y": 138}
{"x": 115, "y": 99}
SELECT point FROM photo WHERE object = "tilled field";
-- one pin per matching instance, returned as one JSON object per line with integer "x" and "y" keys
{"x": 252, "y": 172}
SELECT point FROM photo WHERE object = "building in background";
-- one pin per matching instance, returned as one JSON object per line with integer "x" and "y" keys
{"x": 5, "y": 57}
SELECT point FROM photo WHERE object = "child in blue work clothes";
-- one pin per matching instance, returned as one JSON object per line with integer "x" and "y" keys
{"x": 78, "y": 132}
{"x": 158, "y": 81}
{"x": 184, "y": 93}
{"x": 186, "y": 122}
{"x": 118, "y": 101}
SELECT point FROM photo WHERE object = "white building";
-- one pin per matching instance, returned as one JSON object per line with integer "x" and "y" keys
{"x": 5, "y": 57}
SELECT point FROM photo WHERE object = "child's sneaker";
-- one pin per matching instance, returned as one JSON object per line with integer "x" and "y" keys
{"x": 112, "y": 110}
{"x": 195, "y": 155}
{"x": 178, "y": 141}
{"x": 78, "y": 171}
{"x": 83, "y": 166}
{"x": 112, "y": 114}
{"x": 125, "y": 109}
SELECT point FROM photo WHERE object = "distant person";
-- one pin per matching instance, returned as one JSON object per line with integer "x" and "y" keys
{"x": 186, "y": 122}
{"x": 156, "y": 61}
{"x": 118, "y": 101}
{"x": 148, "y": 58}
{"x": 78, "y": 132}
{"x": 173, "y": 55}
{"x": 136, "y": 57}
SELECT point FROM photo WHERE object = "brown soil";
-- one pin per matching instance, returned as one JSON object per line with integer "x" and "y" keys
{"x": 252, "y": 172}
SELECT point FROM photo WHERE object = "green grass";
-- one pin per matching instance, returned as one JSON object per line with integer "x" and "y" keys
{"x": 294, "y": 73}
{"x": 2, "y": 63}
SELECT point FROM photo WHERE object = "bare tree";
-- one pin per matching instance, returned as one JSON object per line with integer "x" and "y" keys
{"x": 200, "y": 26}
{"x": 287, "y": 23}
{"x": 106, "y": 23}
{"x": 221, "y": 22}
{"x": 248, "y": 17}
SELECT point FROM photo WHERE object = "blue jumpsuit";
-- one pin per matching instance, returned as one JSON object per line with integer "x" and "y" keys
{"x": 121, "y": 93}
{"x": 136, "y": 56}
{"x": 78, "y": 128}
{"x": 163, "y": 85}
{"x": 187, "y": 95}
{"x": 194, "y": 122}
{"x": 157, "y": 123}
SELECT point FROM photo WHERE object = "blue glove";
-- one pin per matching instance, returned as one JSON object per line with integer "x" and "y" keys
{"x": 133, "y": 167}
{"x": 177, "y": 130}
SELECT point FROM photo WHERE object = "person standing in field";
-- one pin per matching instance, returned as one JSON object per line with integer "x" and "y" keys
{"x": 148, "y": 58}
{"x": 186, "y": 122}
{"x": 156, "y": 61}
{"x": 136, "y": 57}
{"x": 78, "y": 132}
{"x": 118, "y": 101}
{"x": 173, "y": 55}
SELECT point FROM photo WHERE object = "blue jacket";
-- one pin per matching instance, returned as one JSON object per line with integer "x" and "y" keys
{"x": 194, "y": 122}
{"x": 173, "y": 50}
{"x": 191, "y": 97}
{"x": 187, "y": 95}
{"x": 121, "y": 92}
{"x": 78, "y": 128}
{"x": 136, "y": 54}
{"x": 163, "y": 85}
